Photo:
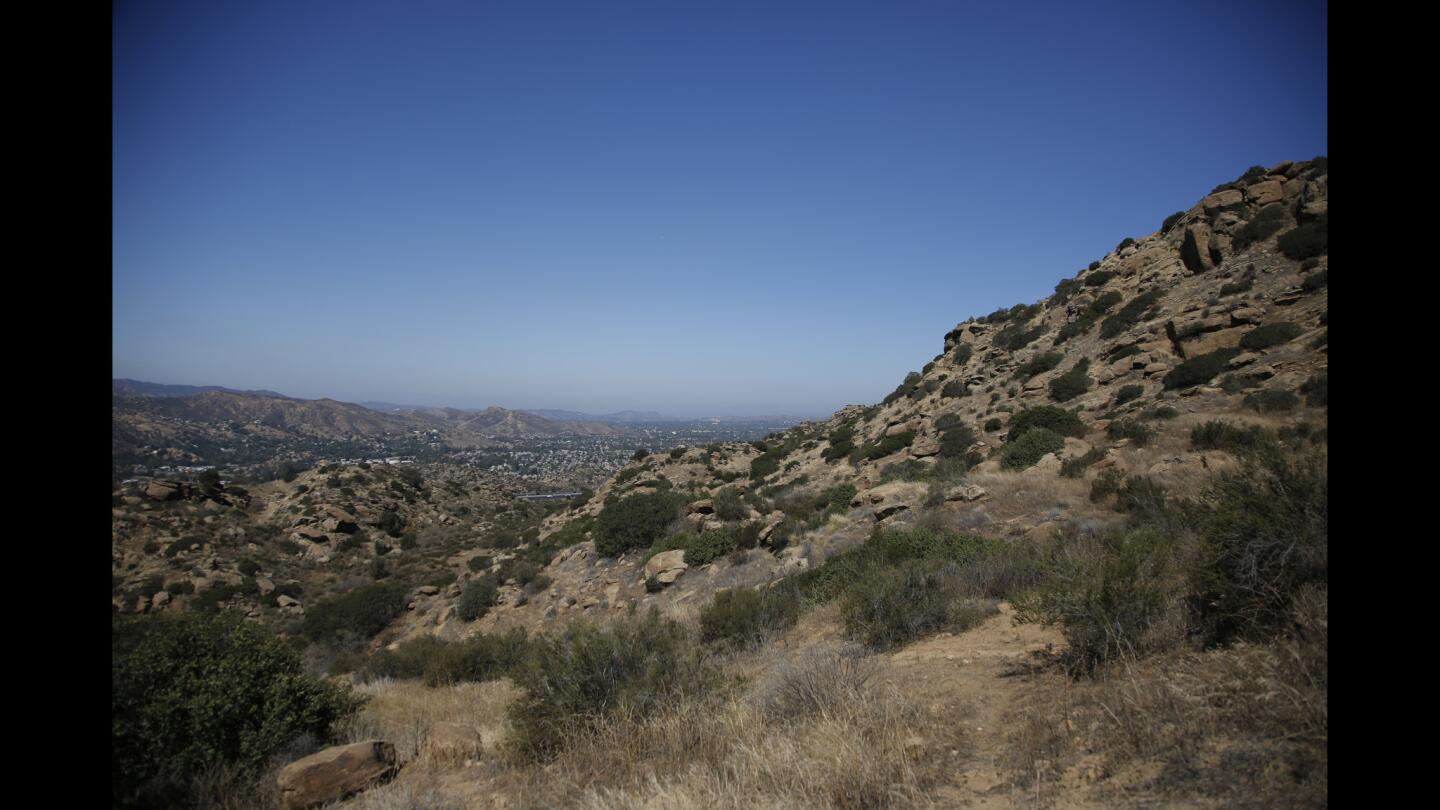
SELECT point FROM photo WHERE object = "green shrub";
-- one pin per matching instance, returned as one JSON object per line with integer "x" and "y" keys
{"x": 954, "y": 390}
{"x": 1075, "y": 467}
{"x": 1316, "y": 390}
{"x": 1050, "y": 417}
{"x": 584, "y": 674}
{"x": 362, "y": 612}
{"x": 1141, "y": 307}
{"x": 1072, "y": 383}
{"x": 1161, "y": 412}
{"x": 1138, "y": 433}
{"x": 1039, "y": 364}
{"x": 1106, "y": 594}
{"x": 1315, "y": 281}
{"x": 1016, "y": 336}
{"x": 478, "y": 658}
{"x": 700, "y": 549}
{"x": 955, "y": 441}
{"x": 962, "y": 353}
{"x": 1199, "y": 369}
{"x": 1272, "y": 400}
{"x": 1265, "y": 223}
{"x": 887, "y": 445}
{"x": 1244, "y": 285}
{"x": 635, "y": 522}
{"x": 914, "y": 598}
{"x": 1171, "y": 221}
{"x": 992, "y": 425}
{"x": 728, "y": 505}
{"x": 746, "y": 617}
{"x": 1264, "y": 540}
{"x": 1217, "y": 435}
{"x": 1306, "y": 240}
{"x": 477, "y": 597}
{"x": 1270, "y": 334}
{"x": 189, "y": 693}
{"x": 1127, "y": 393}
{"x": 1032, "y": 445}
{"x": 1099, "y": 277}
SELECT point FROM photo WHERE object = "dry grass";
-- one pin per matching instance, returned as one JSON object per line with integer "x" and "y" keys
{"x": 1247, "y": 726}
{"x": 402, "y": 712}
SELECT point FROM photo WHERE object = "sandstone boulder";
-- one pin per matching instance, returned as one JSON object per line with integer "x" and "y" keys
{"x": 335, "y": 773}
{"x": 1265, "y": 192}
{"x": 453, "y": 741}
{"x": 165, "y": 490}
{"x": 667, "y": 566}
{"x": 967, "y": 493}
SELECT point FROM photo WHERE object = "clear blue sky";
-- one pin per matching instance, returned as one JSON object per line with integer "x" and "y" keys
{"x": 691, "y": 207}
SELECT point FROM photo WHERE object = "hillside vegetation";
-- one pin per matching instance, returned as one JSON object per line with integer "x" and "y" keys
{"x": 1078, "y": 558}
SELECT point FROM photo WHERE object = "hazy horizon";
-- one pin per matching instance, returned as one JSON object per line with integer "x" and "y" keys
{"x": 716, "y": 209}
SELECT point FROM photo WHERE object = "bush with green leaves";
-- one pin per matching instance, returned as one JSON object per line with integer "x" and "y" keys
{"x": 1264, "y": 534}
{"x": 955, "y": 389}
{"x": 1315, "y": 281}
{"x": 1017, "y": 335}
{"x": 701, "y": 548}
{"x": 1128, "y": 393}
{"x": 1075, "y": 467}
{"x": 1307, "y": 240}
{"x": 361, "y": 612}
{"x": 956, "y": 441}
{"x": 993, "y": 424}
{"x": 1160, "y": 412}
{"x": 1032, "y": 445}
{"x": 745, "y": 617}
{"x": 886, "y": 445}
{"x": 577, "y": 678}
{"x": 1050, "y": 417}
{"x": 477, "y": 597}
{"x": 1107, "y": 594}
{"x": 1199, "y": 369}
{"x": 189, "y": 693}
{"x": 1171, "y": 221}
{"x": 1317, "y": 390}
{"x": 1140, "y": 308}
{"x": 962, "y": 353}
{"x": 1233, "y": 288}
{"x": 1266, "y": 222}
{"x": 1270, "y": 334}
{"x": 1272, "y": 400}
{"x": 1039, "y": 364}
{"x": 1072, "y": 383}
{"x": 903, "y": 602}
{"x": 1137, "y": 432}
{"x": 1218, "y": 435}
{"x": 626, "y": 524}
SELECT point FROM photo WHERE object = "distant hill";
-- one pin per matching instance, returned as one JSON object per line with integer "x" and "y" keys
{"x": 617, "y": 418}
{"x": 150, "y": 389}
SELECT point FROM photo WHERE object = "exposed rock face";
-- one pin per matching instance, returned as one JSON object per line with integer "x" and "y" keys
{"x": 667, "y": 566}
{"x": 167, "y": 490}
{"x": 335, "y": 773}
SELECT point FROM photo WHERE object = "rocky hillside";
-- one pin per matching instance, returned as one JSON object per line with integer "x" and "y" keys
{"x": 1221, "y": 314}
{"x": 1029, "y": 418}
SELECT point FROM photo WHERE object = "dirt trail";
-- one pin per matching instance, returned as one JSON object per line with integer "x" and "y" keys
{"x": 977, "y": 676}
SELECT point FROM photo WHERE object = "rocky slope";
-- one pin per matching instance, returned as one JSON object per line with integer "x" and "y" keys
{"x": 1221, "y": 314}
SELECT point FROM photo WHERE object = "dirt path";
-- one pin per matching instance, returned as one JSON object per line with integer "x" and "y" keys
{"x": 976, "y": 676}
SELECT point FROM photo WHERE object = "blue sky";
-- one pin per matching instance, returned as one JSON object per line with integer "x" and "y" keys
{"x": 697, "y": 208}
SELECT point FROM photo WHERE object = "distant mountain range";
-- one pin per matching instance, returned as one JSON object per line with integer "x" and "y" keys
{"x": 150, "y": 389}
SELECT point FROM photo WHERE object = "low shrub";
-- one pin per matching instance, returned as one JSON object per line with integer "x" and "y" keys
{"x": 1161, "y": 412}
{"x": 1137, "y": 432}
{"x": 1315, "y": 281}
{"x": 1109, "y": 595}
{"x": 477, "y": 597}
{"x": 1317, "y": 390}
{"x": 1218, "y": 435}
{"x": 1141, "y": 307}
{"x": 1128, "y": 393}
{"x": 1270, "y": 334}
{"x": 1032, "y": 445}
{"x": 1072, "y": 383}
{"x": 1098, "y": 277}
{"x": 1050, "y": 417}
{"x": 904, "y": 602}
{"x": 1199, "y": 369}
{"x": 1039, "y": 364}
{"x": 361, "y": 612}
{"x": 728, "y": 505}
{"x": 746, "y": 617}
{"x": 954, "y": 390}
{"x": 887, "y": 445}
{"x": 189, "y": 693}
{"x": 992, "y": 425}
{"x": 1307, "y": 240}
{"x": 1266, "y": 222}
{"x": 1075, "y": 467}
{"x": 586, "y": 674}
{"x": 635, "y": 522}
{"x": 1272, "y": 400}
